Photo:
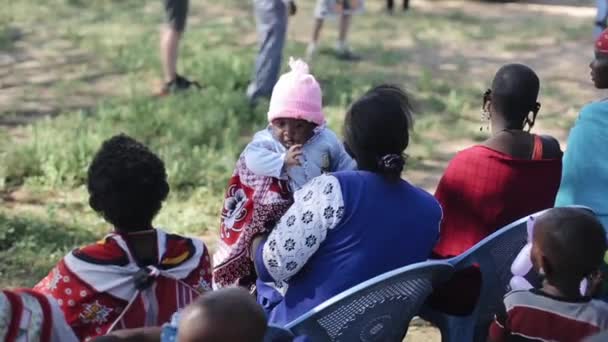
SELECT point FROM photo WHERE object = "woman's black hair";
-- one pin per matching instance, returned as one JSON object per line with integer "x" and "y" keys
{"x": 514, "y": 95}
{"x": 127, "y": 183}
{"x": 376, "y": 130}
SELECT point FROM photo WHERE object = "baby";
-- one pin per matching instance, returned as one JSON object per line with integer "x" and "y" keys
{"x": 295, "y": 148}
{"x": 568, "y": 246}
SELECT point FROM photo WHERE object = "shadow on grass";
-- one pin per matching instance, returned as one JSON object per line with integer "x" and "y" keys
{"x": 29, "y": 247}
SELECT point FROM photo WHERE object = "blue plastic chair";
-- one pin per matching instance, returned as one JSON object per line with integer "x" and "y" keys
{"x": 378, "y": 309}
{"x": 494, "y": 255}
{"x": 277, "y": 334}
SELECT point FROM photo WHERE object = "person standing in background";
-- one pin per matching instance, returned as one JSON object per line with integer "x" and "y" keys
{"x": 271, "y": 22}
{"x": 328, "y": 9}
{"x": 175, "y": 13}
{"x": 390, "y": 5}
{"x": 601, "y": 18}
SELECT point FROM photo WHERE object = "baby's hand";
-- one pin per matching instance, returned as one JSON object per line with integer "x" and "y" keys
{"x": 292, "y": 156}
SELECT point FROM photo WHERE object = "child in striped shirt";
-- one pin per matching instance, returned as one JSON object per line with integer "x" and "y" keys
{"x": 568, "y": 246}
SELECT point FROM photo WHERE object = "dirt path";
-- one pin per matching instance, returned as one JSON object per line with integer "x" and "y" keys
{"x": 43, "y": 75}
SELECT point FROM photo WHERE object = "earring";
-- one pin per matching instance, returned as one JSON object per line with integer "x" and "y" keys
{"x": 485, "y": 118}
{"x": 485, "y": 114}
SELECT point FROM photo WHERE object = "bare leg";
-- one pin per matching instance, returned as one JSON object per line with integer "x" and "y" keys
{"x": 343, "y": 34}
{"x": 169, "y": 42}
{"x": 316, "y": 34}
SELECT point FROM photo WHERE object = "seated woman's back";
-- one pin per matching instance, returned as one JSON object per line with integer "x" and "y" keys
{"x": 512, "y": 174}
{"x": 483, "y": 190}
{"x": 382, "y": 226}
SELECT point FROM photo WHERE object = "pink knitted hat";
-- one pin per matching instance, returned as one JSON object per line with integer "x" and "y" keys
{"x": 297, "y": 95}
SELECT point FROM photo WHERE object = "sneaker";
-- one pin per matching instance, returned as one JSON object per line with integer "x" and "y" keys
{"x": 346, "y": 54}
{"x": 180, "y": 83}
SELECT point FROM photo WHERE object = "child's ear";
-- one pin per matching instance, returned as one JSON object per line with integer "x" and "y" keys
{"x": 546, "y": 266}
{"x": 536, "y": 258}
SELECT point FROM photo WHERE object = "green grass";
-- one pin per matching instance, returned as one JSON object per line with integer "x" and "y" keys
{"x": 199, "y": 135}
{"x": 29, "y": 247}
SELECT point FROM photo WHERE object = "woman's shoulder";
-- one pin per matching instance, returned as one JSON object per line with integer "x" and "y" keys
{"x": 179, "y": 248}
{"x": 371, "y": 179}
{"x": 424, "y": 196}
{"x": 464, "y": 157}
{"x": 107, "y": 251}
{"x": 597, "y": 109}
{"x": 325, "y": 135}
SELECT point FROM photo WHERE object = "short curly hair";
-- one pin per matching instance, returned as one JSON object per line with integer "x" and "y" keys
{"x": 127, "y": 183}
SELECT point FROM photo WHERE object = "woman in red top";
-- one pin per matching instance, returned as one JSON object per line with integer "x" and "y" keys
{"x": 510, "y": 175}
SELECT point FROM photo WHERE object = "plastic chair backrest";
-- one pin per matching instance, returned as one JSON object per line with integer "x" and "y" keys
{"x": 378, "y": 309}
{"x": 494, "y": 255}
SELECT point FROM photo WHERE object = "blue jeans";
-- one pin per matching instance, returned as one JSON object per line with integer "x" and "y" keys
{"x": 601, "y": 17}
{"x": 271, "y": 22}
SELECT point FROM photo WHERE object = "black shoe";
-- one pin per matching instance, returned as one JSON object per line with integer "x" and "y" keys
{"x": 179, "y": 84}
{"x": 347, "y": 55}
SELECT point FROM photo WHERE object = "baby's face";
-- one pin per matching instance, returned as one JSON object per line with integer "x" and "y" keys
{"x": 292, "y": 131}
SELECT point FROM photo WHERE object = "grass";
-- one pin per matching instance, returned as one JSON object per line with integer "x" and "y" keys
{"x": 199, "y": 135}
{"x": 38, "y": 245}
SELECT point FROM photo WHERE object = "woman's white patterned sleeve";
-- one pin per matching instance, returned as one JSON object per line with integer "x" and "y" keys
{"x": 318, "y": 207}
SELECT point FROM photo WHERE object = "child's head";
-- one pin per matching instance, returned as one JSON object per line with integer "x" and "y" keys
{"x": 127, "y": 183}
{"x": 230, "y": 314}
{"x": 296, "y": 99}
{"x": 568, "y": 245}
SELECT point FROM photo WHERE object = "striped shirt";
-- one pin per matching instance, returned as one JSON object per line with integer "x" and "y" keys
{"x": 536, "y": 316}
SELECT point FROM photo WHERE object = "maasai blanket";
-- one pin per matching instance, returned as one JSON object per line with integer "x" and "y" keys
{"x": 28, "y": 316}
{"x": 253, "y": 204}
{"x": 101, "y": 288}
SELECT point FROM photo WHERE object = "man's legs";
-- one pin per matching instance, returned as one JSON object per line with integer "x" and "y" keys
{"x": 169, "y": 42}
{"x": 343, "y": 33}
{"x": 176, "y": 12}
{"x": 342, "y": 49}
{"x": 271, "y": 21}
{"x": 316, "y": 33}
